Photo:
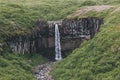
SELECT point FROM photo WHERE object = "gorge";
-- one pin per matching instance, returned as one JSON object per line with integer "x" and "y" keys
{"x": 42, "y": 39}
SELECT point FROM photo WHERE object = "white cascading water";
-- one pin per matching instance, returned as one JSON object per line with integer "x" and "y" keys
{"x": 58, "y": 55}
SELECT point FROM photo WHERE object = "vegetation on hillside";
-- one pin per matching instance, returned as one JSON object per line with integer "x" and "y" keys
{"x": 19, "y": 67}
{"x": 97, "y": 59}
{"x": 17, "y": 17}
{"x": 92, "y": 60}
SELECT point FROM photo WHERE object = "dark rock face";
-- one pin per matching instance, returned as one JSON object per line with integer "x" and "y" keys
{"x": 81, "y": 28}
{"x": 41, "y": 39}
{"x": 32, "y": 42}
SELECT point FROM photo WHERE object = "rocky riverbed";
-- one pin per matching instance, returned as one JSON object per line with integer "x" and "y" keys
{"x": 42, "y": 71}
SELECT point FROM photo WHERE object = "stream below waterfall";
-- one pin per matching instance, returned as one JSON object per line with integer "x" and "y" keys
{"x": 42, "y": 71}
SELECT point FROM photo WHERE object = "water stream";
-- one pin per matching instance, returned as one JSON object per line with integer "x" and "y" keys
{"x": 58, "y": 55}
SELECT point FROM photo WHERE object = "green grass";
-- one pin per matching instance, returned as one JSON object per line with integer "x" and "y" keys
{"x": 17, "y": 17}
{"x": 97, "y": 59}
{"x": 19, "y": 67}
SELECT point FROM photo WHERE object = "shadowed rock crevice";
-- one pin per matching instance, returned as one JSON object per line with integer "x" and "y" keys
{"x": 41, "y": 40}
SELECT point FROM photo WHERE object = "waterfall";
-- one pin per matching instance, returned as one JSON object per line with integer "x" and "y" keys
{"x": 58, "y": 55}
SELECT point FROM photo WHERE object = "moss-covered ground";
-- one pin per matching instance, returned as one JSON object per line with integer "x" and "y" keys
{"x": 17, "y": 17}
{"x": 97, "y": 59}
{"x": 19, "y": 67}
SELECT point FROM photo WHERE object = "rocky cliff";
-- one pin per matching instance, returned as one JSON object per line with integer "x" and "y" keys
{"x": 73, "y": 32}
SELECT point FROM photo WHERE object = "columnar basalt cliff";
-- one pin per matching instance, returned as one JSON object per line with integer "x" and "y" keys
{"x": 30, "y": 43}
{"x": 73, "y": 33}
{"x": 81, "y": 28}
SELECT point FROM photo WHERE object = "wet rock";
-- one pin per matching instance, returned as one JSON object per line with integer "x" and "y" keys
{"x": 44, "y": 70}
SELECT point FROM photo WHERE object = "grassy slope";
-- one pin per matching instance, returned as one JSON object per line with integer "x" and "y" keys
{"x": 97, "y": 59}
{"x": 18, "y": 67}
{"x": 17, "y": 17}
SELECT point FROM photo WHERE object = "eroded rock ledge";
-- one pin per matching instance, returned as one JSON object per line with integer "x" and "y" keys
{"x": 73, "y": 33}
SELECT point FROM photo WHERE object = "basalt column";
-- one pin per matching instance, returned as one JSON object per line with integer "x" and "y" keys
{"x": 81, "y": 28}
{"x": 32, "y": 42}
{"x": 75, "y": 31}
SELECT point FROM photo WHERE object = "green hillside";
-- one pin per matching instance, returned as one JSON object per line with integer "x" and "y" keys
{"x": 19, "y": 67}
{"x": 17, "y": 17}
{"x": 97, "y": 59}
